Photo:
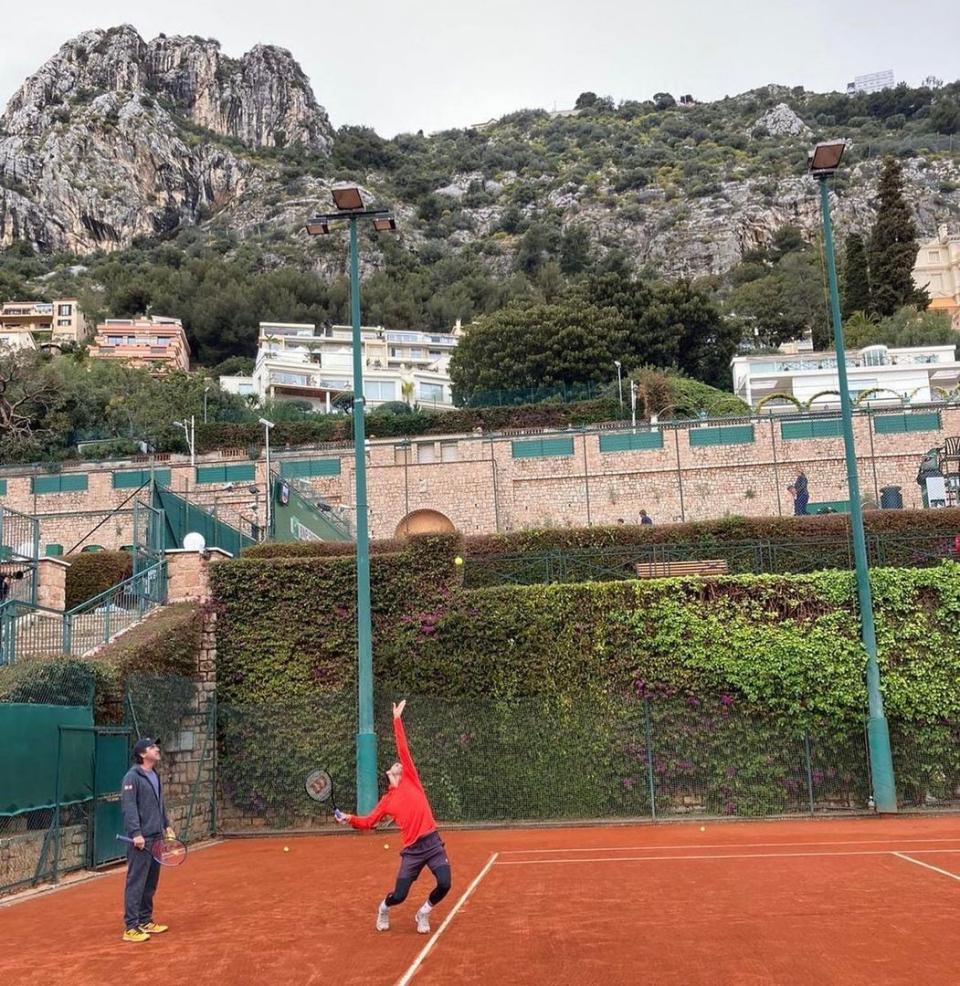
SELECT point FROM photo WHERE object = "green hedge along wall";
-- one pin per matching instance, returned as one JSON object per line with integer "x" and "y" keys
{"x": 555, "y": 680}
{"x": 93, "y": 572}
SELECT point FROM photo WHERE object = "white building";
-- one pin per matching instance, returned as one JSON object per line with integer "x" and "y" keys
{"x": 300, "y": 362}
{"x": 872, "y": 82}
{"x": 918, "y": 375}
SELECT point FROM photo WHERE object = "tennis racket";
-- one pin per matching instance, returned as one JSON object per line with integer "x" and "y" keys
{"x": 167, "y": 852}
{"x": 319, "y": 787}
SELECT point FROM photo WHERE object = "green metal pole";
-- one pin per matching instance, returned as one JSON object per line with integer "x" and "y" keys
{"x": 881, "y": 761}
{"x": 366, "y": 737}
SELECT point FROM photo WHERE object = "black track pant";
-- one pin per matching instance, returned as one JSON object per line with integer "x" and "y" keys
{"x": 428, "y": 851}
{"x": 143, "y": 872}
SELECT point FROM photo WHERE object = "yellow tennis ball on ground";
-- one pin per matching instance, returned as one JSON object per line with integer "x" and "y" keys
{"x": 286, "y": 849}
{"x": 386, "y": 845}
{"x": 458, "y": 560}
{"x": 703, "y": 828}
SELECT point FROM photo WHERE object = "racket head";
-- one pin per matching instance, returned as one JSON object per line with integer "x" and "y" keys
{"x": 319, "y": 786}
{"x": 169, "y": 852}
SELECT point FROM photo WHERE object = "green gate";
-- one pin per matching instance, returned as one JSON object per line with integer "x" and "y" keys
{"x": 110, "y": 762}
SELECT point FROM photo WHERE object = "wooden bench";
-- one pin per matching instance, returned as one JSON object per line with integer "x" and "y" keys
{"x": 672, "y": 569}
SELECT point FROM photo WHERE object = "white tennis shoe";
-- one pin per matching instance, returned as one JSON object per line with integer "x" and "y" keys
{"x": 423, "y": 922}
{"x": 383, "y": 918}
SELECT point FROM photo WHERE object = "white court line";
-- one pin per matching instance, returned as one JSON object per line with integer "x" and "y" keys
{"x": 732, "y": 845}
{"x": 408, "y": 975}
{"x": 752, "y": 855}
{"x": 936, "y": 869}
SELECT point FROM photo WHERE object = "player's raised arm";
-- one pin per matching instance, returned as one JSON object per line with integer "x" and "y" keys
{"x": 366, "y": 821}
{"x": 403, "y": 751}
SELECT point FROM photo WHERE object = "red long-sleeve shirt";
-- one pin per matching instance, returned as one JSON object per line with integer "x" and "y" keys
{"x": 406, "y": 803}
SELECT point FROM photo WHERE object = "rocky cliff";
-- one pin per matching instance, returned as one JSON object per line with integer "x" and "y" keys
{"x": 116, "y": 137}
{"x": 109, "y": 139}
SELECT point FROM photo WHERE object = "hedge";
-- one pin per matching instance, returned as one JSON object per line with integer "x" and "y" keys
{"x": 512, "y": 682}
{"x": 93, "y": 572}
{"x": 339, "y": 428}
{"x": 703, "y": 536}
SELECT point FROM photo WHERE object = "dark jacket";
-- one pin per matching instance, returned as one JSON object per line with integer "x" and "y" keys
{"x": 143, "y": 812}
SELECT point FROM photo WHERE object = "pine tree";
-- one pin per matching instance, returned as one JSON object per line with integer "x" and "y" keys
{"x": 856, "y": 283}
{"x": 893, "y": 247}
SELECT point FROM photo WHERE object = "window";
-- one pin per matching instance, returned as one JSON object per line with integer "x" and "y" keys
{"x": 435, "y": 354}
{"x": 69, "y": 482}
{"x": 449, "y": 452}
{"x": 305, "y": 468}
{"x": 226, "y": 474}
{"x": 162, "y": 341}
{"x": 723, "y": 435}
{"x": 400, "y": 454}
{"x": 539, "y": 448}
{"x": 633, "y": 442}
{"x": 426, "y": 452}
{"x": 245, "y": 388}
{"x": 934, "y": 256}
{"x": 135, "y": 478}
{"x": 416, "y": 354}
{"x": 64, "y": 322}
{"x": 114, "y": 340}
{"x": 431, "y": 392}
{"x": 65, "y": 311}
{"x": 380, "y": 390}
{"x": 294, "y": 379}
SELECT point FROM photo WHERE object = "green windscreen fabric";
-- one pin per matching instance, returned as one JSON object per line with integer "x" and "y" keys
{"x": 814, "y": 428}
{"x": 182, "y": 517}
{"x": 898, "y": 424}
{"x": 306, "y": 468}
{"x": 722, "y": 435}
{"x": 135, "y": 478}
{"x": 542, "y": 448}
{"x": 300, "y": 520}
{"x": 29, "y": 736}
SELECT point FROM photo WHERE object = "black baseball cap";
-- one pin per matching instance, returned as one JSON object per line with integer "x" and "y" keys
{"x": 144, "y": 743}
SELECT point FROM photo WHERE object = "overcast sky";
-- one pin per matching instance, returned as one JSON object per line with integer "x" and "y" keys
{"x": 427, "y": 65}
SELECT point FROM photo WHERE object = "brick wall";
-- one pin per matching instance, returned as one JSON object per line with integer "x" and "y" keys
{"x": 487, "y": 490}
{"x": 20, "y": 853}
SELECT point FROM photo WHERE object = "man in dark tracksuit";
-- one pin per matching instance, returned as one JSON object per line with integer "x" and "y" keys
{"x": 145, "y": 821}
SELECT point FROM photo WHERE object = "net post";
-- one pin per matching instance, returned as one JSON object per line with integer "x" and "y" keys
{"x": 648, "y": 731}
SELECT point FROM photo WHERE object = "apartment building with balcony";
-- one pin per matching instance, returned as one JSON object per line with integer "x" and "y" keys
{"x": 914, "y": 375}
{"x": 299, "y": 362}
{"x": 156, "y": 342}
{"x": 937, "y": 268}
{"x": 46, "y": 322}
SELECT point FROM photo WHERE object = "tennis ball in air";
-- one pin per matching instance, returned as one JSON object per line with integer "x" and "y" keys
{"x": 386, "y": 845}
{"x": 703, "y": 828}
{"x": 458, "y": 560}
{"x": 286, "y": 849}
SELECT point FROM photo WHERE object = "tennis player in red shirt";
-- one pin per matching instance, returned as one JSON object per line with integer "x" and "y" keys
{"x": 406, "y": 802}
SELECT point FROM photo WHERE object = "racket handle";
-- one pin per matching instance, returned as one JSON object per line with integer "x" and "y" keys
{"x": 124, "y": 838}
{"x": 338, "y": 815}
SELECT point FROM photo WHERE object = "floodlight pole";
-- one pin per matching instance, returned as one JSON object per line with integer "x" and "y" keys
{"x": 878, "y": 734}
{"x": 366, "y": 737}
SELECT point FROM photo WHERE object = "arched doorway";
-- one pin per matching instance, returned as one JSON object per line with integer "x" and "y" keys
{"x": 424, "y": 522}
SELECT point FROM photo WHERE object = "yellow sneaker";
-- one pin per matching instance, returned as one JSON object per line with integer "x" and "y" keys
{"x": 152, "y": 928}
{"x": 135, "y": 934}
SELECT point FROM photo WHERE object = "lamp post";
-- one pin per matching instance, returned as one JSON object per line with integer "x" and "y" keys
{"x": 206, "y": 389}
{"x": 267, "y": 425}
{"x": 189, "y": 432}
{"x": 824, "y": 160}
{"x": 618, "y": 364}
{"x": 350, "y": 207}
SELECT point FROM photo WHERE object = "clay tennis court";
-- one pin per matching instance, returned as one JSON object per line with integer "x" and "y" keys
{"x": 748, "y": 904}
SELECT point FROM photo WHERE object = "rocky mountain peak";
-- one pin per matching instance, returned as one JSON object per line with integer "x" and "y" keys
{"x": 262, "y": 99}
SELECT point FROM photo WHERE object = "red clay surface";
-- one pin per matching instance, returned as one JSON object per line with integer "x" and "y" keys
{"x": 799, "y": 903}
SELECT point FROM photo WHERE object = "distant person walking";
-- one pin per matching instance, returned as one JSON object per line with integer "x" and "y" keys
{"x": 800, "y": 494}
{"x": 645, "y": 518}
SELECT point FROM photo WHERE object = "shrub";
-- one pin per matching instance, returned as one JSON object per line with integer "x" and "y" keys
{"x": 93, "y": 572}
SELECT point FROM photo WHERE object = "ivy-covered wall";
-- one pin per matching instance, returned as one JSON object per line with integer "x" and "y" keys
{"x": 559, "y": 670}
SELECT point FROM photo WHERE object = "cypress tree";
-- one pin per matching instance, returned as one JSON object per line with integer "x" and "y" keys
{"x": 856, "y": 282}
{"x": 893, "y": 247}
